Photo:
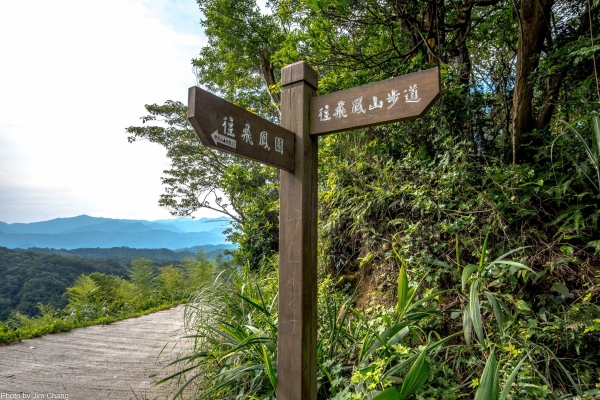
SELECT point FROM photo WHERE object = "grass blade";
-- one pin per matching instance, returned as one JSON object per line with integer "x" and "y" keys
{"x": 425, "y": 299}
{"x": 495, "y": 308}
{"x": 475, "y": 311}
{"x": 484, "y": 250}
{"x": 270, "y": 370}
{"x": 388, "y": 394}
{"x": 457, "y": 253}
{"x": 384, "y": 338}
{"x": 466, "y": 274}
{"x": 416, "y": 376}
{"x": 467, "y": 324}
{"x": 488, "y": 385}
{"x": 402, "y": 292}
{"x": 511, "y": 379}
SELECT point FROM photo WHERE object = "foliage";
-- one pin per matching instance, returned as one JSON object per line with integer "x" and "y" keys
{"x": 234, "y": 327}
{"x": 202, "y": 178}
{"x": 233, "y": 323}
{"x": 28, "y": 278}
{"x": 125, "y": 255}
{"x": 98, "y": 298}
{"x": 398, "y": 352}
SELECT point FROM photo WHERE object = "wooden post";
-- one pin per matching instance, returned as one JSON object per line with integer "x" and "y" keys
{"x": 295, "y": 149}
{"x": 297, "y": 341}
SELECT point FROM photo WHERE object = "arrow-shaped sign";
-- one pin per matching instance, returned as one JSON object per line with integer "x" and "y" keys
{"x": 217, "y": 138}
{"x": 401, "y": 98}
{"x": 238, "y": 131}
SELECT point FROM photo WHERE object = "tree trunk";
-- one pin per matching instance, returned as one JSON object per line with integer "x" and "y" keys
{"x": 266, "y": 72}
{"x": 553, "y": 84}
{"x": 534, "y": 22}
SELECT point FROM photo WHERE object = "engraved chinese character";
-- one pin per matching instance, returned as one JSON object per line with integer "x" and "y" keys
{"x": 263, "y": 140}
{"x": 246, "y": 134}
{"x": 279, "y": 145}
{"x": 357, "y": 107}
{"x": 375, "y": 104}
{"x": 413, "y": 96}
{"x": 228, "y": 127}
{"x": 324, "y": 113}
{"x": 340, "y": 111}
{"x": 392, "y": 98}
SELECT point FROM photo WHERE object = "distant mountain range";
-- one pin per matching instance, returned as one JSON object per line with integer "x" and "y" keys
{"x": 92, "y": 232}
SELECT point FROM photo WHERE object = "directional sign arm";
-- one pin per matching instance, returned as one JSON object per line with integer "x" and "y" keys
{"x": 222, "y": 125}
{"x": 397, "y": 99}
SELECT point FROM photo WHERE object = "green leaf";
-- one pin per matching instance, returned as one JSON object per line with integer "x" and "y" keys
{"x": 270, "y": 370}
{"x": 475, "y": 311}
{"x": 424, "y": 299}
{"x": 596, "y": 138}
{"x": 511, "y": 379}
{"x": 384, "y": 338}
{"x": 466, "y": 274}
{"x": 467, "y": 324}
{"x": 514, "y": 264}
{"x": 488, "y": 384}
{"x": 457, "y": 252}
{"x": 388, "y": 394}
{"x": 416, "y": 376}
{"x": 560, "y": 288}
{"x": 402, "y": 292}
{"x": 495, "y": 308}
{"x": 484, "y": 250}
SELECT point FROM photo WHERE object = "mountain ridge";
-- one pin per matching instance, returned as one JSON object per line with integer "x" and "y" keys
{"x": 85, "y": 231}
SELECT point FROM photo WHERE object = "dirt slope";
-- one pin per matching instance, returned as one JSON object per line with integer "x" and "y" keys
{"x": 117, "y": 361}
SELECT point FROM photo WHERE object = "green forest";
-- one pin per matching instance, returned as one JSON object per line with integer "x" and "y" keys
{"x": 48, "y": 293}
{"x": 458, "y": 252}
{"x": 42, "y": 276}
{"x": 29, "y": 278}
{"x": 127, "y": 254}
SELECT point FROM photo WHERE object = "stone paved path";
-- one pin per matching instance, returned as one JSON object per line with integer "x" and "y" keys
{"x": 122, "y": 360}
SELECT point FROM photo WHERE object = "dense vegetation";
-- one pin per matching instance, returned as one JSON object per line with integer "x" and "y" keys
{"x": 29, "y": 278}
{"x": 127, "y": 254}
{"x": 98, "y": 297}
{"x": 489, "y": 202}
{"x": 34, "y": 276}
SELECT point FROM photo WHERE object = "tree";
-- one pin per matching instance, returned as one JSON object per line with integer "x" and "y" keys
{"x": 198, "y": 270}
{"x": 85, "y": 291}
{"x": 142, "y": 276}
{"x": 171, "y": 282}
{"x": 199, "y": 177}
{"x": 507, "y": 68}
{"x": 238, "y": 60}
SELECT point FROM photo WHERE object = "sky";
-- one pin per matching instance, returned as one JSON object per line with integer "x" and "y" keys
{"x": 73, "y": 75}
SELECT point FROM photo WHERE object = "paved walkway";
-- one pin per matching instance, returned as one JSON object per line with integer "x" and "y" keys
{"x": 122, "y": 360}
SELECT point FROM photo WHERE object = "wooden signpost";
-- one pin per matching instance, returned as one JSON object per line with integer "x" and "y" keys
{"x": 401, "y": 98}
{"x": 227, "y": 127}
{"x": 292, "y": 147}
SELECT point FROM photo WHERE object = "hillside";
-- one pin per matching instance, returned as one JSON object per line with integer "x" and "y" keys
{"x": 126, "y": 254}
{"x": 28, "y": 278}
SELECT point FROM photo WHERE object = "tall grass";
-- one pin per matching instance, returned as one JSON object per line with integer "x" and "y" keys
{"x": 396, "y": 353}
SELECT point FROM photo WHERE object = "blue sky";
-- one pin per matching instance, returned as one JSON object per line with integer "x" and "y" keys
{"x": 73, "y": 75}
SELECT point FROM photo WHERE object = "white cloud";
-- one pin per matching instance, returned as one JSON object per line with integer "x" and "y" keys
{"x": 73, "y": 75}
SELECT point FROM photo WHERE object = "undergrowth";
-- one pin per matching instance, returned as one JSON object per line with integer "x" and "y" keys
{"x": 474, "y": 340}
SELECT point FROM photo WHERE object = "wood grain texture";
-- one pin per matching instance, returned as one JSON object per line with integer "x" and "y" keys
{"x": 297, "y": 337}
{"x": 298, "y": 72}
{"x": 224, "y": 126}
{"x": 377, "y": 103}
